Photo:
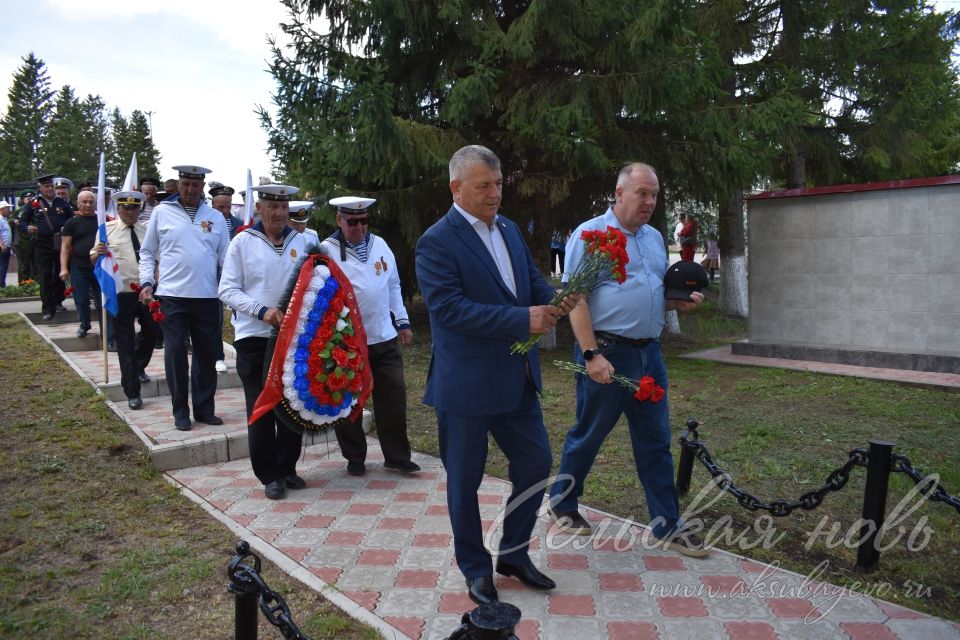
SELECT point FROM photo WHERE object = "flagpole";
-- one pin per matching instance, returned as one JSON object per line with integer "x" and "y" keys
{"x": 103, "y": 338}
{"x": 101, "y": 216}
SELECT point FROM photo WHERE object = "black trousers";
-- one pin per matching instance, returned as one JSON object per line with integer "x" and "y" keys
{"x": 134, "y": 355}
{"x": 389, "y": 408}
{"x": 196, "y": 318}
{"x": 48, "y": 273}
{"x": 274, "y": 448}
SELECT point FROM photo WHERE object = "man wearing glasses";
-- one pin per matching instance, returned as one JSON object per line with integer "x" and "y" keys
{"x": 369, "y": 264}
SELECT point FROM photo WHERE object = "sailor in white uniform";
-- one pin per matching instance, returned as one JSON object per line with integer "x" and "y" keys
{"x": 369, "y": 264}
{"x": 185, "y": 243}
{"x": 260, "y": 262}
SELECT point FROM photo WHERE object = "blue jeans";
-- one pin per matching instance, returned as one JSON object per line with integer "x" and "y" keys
{"x": 85, "y": 285}
{"x": 4, "y": 262}
{"x": 599, "y": 407}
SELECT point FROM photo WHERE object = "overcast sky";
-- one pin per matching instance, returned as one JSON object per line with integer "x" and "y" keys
{"x": 198, "y": 65}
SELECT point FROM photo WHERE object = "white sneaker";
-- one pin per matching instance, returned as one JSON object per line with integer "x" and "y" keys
{"x": 221, "y": 366}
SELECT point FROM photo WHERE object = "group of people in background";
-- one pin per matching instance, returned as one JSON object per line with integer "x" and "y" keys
{"x": 185, "y": 258}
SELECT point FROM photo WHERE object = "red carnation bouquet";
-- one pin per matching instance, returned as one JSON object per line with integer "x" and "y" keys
{"x": 646, "y": 388}
{"x": 605, "y": 258}
{"x": 158, "y": 316}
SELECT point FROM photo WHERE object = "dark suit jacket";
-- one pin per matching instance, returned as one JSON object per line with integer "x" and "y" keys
{"x": 474, "y": 318}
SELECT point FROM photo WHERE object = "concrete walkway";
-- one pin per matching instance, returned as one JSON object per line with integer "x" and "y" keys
{"x": 380, "y": 548}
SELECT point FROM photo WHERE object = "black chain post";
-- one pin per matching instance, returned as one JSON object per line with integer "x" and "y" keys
{"x": 245, "y": 594}
{"x": 687, "y": 455}
{"x": 492, "y": 621}
{"x": 874, "y": 503}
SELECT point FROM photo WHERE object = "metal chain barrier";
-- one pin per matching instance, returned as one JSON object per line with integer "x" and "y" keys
{"x": 245, "y": 579}
{"x": 935, "y": 492}
{"x": 836, "y": 480}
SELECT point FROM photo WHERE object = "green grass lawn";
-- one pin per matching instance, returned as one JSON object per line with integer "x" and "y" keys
{"x": 93, "y": 542}
{"x": 779, "y": 434}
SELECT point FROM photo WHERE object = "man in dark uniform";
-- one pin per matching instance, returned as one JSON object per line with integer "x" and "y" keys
{"x": 26, "y": 267}
{"x": 62, "y": 188}
{"x": 44, "y": 216}
{"x": 221, "y": 199}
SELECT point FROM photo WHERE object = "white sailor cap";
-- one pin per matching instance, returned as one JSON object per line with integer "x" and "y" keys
{"x": 128, "y": 198}
{"x": 281, "y": 192}
{"x": 63, "y": 182}
{"x": 297, "y": 206}
{"x": 191, "y": 171}
{"x": 352, "y": 204}
{"x": 4, "y": 203}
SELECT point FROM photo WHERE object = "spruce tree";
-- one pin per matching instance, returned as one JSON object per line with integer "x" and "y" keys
{"x": 24, "y": 124}
{"x": 142, "y": 143}
{"x": 563, "y": 91}
{"x": 64, "y": 148}
{"x": 118, "y": 161}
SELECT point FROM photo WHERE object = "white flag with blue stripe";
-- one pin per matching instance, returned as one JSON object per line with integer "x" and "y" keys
{"x": 107, "y": 271}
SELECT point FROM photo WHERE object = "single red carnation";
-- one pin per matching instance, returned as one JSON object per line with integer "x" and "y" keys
{"x": 657, "y": 394}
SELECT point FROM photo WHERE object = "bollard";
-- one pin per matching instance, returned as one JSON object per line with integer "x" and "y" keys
{"x": 874, "y": 504}
{"x": 493, "y": 621}
{"x": 685, "y": 467}
{"x": 245, "y": 595}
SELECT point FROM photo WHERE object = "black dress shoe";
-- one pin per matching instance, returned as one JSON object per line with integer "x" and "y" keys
{"x": 527, "y": 574}
{"x": 293, "y": 481}
{"x": 481, "y": 590}
{"x": 211, "y": 420}
{"x": 47, "y": 317}
{"x": 135, "y": 402}
{"x": 112, "y": 346}
{"x": 407, "y": 466}
{"x": 144, "y": 377}
{"x": 61, "y": 308}
{"x": 183, "y": 424}
{"x": 81, "y": 333}
{"x": 275, "y": 490}
{"x": 356, "y": 468}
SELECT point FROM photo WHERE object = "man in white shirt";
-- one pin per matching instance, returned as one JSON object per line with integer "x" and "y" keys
{"x": 259, "y": 264}
{"x": 185, "y": 244}
{"x": 369, "y": 264}
{"x": 124, "y": 237}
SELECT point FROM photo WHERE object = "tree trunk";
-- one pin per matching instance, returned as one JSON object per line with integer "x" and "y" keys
{"x": 733, "y": 260}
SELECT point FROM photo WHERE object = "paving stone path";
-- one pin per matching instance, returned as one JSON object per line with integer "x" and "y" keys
{"x": 380, "y": 547}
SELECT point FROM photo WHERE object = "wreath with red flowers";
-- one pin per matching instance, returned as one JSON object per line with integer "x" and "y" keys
{"x": 319, "y": 372}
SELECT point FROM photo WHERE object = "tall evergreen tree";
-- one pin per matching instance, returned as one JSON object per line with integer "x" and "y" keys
{"x": 24, "y": 124}
{"x": 97, "y": 133}
{"x": 563, "y": 91}
{"x": 142, "y": 143}
{"x": 63, "y": 150}
{"x": 119, "y": 160}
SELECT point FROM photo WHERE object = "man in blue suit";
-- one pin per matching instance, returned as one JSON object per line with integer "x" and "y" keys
{"x": 483, "y": 292}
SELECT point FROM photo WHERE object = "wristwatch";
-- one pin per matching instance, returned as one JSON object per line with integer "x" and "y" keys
{"x": 588, "y": 354}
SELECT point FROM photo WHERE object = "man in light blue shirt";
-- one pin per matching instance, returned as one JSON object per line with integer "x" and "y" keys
{"x": 6, "y": 240}
{"x": 617, "y": 329}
